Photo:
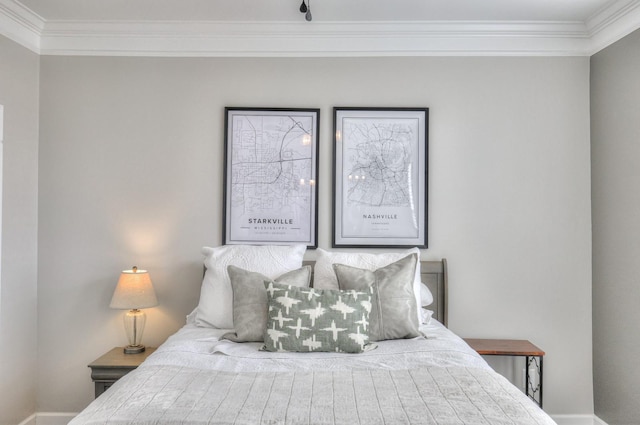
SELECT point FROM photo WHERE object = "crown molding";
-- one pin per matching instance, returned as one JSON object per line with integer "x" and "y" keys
{"x": 318, "y": 39}
{"x": 286, "y": 39}
{"x": 612, "y": 23}
{"x": 20, "y": 24}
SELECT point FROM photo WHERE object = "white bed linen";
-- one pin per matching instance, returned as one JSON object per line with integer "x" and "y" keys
{"x": 201, "y": 348}
{"x": 194, "y": 378}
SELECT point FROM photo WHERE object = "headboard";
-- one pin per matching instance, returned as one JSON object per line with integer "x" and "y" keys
{"x": 434, "y": 275}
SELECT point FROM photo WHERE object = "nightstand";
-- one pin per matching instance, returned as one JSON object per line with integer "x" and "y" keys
{"x": 114, "y": 365}
{"x": 515, "y": 347}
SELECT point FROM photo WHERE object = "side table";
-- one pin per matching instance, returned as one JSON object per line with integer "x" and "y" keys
{"x": 515, "y": 347}
{"x": 113, "y": 365}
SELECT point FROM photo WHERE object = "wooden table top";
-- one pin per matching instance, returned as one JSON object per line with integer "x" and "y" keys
{"x": 117, "y": 358}
{"x": 504, "y": 347}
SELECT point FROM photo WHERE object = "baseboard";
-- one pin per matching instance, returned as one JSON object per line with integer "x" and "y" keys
{"x": 578, "y": 420}
{"x": 49, "y": 418}
{"x": 31, "y": 420}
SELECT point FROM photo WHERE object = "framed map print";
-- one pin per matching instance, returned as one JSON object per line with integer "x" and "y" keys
{"x": 380, "y": 177}
{"x": 271, "y": 170}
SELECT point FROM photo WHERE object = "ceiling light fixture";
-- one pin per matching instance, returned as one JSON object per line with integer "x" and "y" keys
{"x": 306, "y": 9}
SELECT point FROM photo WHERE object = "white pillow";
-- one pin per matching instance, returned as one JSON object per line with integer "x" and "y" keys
{"x": 426, "y": 297}
{"x": 325, "y": 278}
{"x": 215, "y": 308}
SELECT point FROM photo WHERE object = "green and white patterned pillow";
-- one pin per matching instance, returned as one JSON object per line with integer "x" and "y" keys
{"x": 307, "y": 319}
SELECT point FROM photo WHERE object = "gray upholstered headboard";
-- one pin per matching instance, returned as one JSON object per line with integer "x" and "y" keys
{"x": 434, "y": 275}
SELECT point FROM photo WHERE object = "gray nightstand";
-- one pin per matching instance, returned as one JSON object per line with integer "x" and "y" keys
{"x": 114, "y": 365}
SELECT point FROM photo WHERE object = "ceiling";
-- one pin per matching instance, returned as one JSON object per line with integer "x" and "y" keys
{"x": 338, "y": 28}
{"x": 323, "y": 10}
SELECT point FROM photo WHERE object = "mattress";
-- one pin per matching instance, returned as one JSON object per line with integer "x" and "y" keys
{"x": 196, "y": 378}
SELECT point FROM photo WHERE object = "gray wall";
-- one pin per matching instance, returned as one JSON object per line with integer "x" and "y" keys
{"x": 615, "y": 110}
{"x": 131, "y": 173}
{"x": 19, "y": 69}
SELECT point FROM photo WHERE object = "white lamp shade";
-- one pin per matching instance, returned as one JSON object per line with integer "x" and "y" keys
{"x": 134, "y": 291}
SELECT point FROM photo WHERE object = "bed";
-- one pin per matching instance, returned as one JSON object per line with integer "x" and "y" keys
{"x": 201, "y": 376}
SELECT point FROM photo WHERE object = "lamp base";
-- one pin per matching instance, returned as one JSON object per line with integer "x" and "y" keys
{"x": 134, "y": 349}
{"x": 134, "y": 326}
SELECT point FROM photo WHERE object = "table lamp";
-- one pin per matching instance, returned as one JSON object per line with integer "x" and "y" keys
{"x": 133, "y": 292}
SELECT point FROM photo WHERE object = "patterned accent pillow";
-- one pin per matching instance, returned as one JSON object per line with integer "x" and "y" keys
{"x": 307, "y": 319}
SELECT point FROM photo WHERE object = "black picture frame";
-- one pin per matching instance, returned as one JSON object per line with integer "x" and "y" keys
{"x": 270, "y": 176}
{"x": 380, "y": 177}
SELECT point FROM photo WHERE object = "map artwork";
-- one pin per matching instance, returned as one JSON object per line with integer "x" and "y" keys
{"x": 380, "y": 177}
{"x": 271, "y": 179}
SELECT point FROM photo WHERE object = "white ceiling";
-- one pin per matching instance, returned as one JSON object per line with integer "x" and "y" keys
{"x": 339, "y": 27}
{"x": 323, "y": 10}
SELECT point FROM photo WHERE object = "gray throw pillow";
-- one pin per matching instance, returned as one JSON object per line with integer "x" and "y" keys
{"x": 307, "y": 319}
{"x": 250, "y": 300}
{"x": 393, "y": 314}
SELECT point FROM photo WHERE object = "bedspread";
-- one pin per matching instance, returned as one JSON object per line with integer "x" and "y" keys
{"x": 430, "y": 395}
{"x": 202, "y": 348}
{"x": 194, "y": 378}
